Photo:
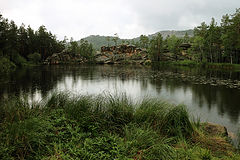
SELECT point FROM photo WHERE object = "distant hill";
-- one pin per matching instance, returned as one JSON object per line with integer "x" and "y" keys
{"x": 170, "y": 33}
{"x": 99, "y": 41}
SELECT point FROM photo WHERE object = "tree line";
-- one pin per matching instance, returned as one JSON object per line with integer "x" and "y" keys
{"x": 22, "y": 44}
{"x": 81, "y": 48}
{"x": 211, "y": 43}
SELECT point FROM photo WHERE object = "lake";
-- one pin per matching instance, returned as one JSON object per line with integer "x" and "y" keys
{"x": 218, "y": 104}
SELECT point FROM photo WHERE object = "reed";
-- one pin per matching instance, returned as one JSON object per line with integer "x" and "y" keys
{"x": 100, "y": 127}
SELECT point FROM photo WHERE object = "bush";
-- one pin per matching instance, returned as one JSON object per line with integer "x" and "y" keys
{"x": 6, "y": 65}
{"x": 186, "y": 63}
{"x": 105, "y": 147}
{"x": 35, "y": 57}
{"x": 18, "y": 60}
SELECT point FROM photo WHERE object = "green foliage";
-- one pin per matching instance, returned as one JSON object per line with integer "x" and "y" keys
{"x": 173, "y": 44}
{"x": 27, "y": 137}
{"x": 115, "y": 39}
{"x": 105, "y": 147}
{"x": 100, "y": 127}
{"x": 86, "y": 50}
{"x": 83, "y": 49}
{"x": 177, "y": 122}
{"x": 186, "y": 38}
{"x": 218, "y": 44}
{"x": 151, "y": 112}
{"x": 6, "y": 65}
{"x": 173, "y": 121}
{"x": 186, "y": 63}
{"x": 35, "y": 57}
{"x": 144, "y": 41}
{"x": 156, "y": 47}
{"x": 18, "y": 59}
{"x": 19, "y": 42}
{"x": 210, "y": 44}
{"x": 145, "y": 143}
{"x": 99, "y": 41}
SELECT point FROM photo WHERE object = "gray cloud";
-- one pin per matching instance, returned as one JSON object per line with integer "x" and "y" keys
{"x": 80, "y": 18}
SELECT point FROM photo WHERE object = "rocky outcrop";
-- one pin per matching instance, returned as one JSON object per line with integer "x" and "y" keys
{"x": 167, "y": 56}
{"x": 64, "y": 57}
{"x": 121, "y": 49}
{"x": 121, "y": 54}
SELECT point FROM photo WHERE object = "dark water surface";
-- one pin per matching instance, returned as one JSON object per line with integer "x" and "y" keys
{"x": 217, "y": 104}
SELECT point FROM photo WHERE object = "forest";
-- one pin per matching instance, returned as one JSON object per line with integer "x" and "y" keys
{"x": 22, "y": 45}
{"x": 210, "y": 43}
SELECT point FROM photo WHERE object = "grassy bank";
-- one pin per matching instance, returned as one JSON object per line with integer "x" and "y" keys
{"x": 189, "y": 63}
{"x": 104, "y": 127}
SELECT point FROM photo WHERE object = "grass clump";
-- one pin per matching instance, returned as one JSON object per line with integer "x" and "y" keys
{"x": 101, "y": 127}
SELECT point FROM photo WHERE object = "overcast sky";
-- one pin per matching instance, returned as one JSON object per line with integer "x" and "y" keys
{"x": 128, "y": 18}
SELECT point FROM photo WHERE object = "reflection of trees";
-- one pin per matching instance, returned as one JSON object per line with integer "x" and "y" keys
{"x": 208, "y": 73}
{"x": 157, "y": 83}
{"x": 226, "y": 100}
{"x": 144, "y": 84}
{"x": 46, "y": 78}
{"x": 204, "y": 93}
{"x": 42, "y": 78}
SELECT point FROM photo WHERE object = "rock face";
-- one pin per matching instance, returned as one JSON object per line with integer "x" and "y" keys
{"x": 64, "y": 57}
{"x": 121, "y": 54}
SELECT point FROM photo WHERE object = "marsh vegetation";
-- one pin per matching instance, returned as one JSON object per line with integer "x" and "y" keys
{"x": 104, "y": 127}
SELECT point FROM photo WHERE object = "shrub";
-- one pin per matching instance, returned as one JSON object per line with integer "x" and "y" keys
{"x": 35, "y": 57}
{"x": 6, "y": 65}
{"x": 18, "y": 60}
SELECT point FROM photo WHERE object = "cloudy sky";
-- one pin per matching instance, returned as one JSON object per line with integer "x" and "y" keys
{"x": 128, "y": 18}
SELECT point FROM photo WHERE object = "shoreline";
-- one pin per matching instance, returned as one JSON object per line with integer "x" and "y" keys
{"x": 107, "y": 127}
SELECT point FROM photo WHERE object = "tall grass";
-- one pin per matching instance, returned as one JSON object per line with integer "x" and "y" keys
{"x": 16, "y": 109}
{"x": 94, "y": 127}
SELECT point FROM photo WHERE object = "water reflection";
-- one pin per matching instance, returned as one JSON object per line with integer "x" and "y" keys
{"x": 209, "y": 103}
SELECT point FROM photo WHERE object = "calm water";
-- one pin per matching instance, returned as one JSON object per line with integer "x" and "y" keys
{"x": 209, "y": 103}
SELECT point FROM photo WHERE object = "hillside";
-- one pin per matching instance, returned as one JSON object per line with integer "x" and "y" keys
{"x": 172, "y": 32}
{"x": 99, "y": 41}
